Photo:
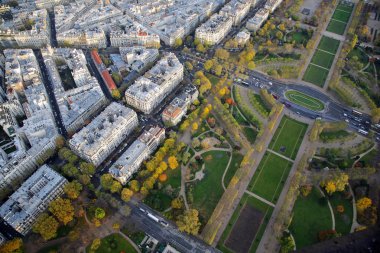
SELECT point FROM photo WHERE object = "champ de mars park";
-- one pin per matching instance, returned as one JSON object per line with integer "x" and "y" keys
{"x": 162, "y": 126}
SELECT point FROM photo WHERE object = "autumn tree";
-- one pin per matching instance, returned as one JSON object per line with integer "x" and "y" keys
{"x": 194, "y": 127}
{"x": 12, "y": 246}
{"x": 173, "y": 163}
{"x": 363, "y": 203}
{"x": 200, "y": 48}
{"x": 177, "y": 203}
{"x": 73, "y": 189}
{"x": 134, "y": 185}
{"x": 189, "y": 222}
{"x": 334, "y": 181}
{"x": 116, "y": 94}
{"x": 60, "y": 142}
{"x": 208, "y": 65}
{"x": 46, "y": 226}
{"x": 62, "y": 209}
{"x": 178, "y": 42}
{"x": 95, "y": 244}
{"x": 222, "y": 54}
{"x": 126, "y": 194}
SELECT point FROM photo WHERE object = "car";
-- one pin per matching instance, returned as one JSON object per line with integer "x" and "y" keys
{"x": 142, "y": 210}
{"x": 345, "y": 114}
{"x": 164, "y": 223}
{"x": 270, "y": 83}
{"x": 347, "y": 120}
{"x": 298, "y": 113}
{"x": 318, "y": 118}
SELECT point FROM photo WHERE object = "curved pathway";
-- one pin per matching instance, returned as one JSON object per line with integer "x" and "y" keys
{"x": 331, "y": 209}
{"x": 355, "y": 223}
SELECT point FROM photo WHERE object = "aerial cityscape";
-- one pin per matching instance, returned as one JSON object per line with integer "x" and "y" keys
{"x": 200, "y": 126}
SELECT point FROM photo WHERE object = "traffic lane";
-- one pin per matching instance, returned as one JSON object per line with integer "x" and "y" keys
{"x": 171, "y": 229}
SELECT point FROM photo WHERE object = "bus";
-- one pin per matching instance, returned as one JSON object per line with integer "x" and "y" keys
{"x": 362, "y": 132}
{"x": 357, "y": 112}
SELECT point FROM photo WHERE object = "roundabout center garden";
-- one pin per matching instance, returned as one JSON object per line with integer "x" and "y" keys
{"x": 304, "y": 100}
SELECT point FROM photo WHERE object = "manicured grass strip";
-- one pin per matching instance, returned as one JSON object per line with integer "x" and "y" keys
{"x": 345, "y": 7}
{"x": 288, "y": 137}
{"x": 336, "y": 27}
{"x": 255, "y": 203}
{"x": 304, "y": 100}
{"x": 315, "y": 75}
{"x": 310, "y": 215}
{"x": 323, "y": 59}
{"x": 114, "y": 243}
{"x": 250, "y": 134}
{"x": 329, "y": 44}
{"x": 343, "y": 221}
{"x": 234, "y": 165}
{"x": 270, "y": 176}
{"x": 341, "y": 15}
{"x": 208, "y": 191}
{"x": 238, "y": 117}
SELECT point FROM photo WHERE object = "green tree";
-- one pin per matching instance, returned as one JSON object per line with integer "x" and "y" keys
{"x": 62, "y": 209}
{"x": 46, "y": 226}
{"x": 106, "y": 181}
{"x": 116, "y": 187}
{"x": 87, "y": 168}
{"x": 189, "y": 66}
{"x": 100, "y": 213}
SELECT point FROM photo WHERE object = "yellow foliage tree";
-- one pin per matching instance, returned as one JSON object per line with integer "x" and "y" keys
{"x": 173, "y": 163}
{"x": 194, "y": 126}
{"x": 363, "y": 203}
{"x": 126, "y": 194}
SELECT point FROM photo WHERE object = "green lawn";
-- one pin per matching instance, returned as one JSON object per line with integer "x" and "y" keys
{"x": 345, "y": 7}
{"x": 343, "y": 221}
{"x": 323, "y": 59}
{"x": 300, "y": 37}
{"x": 310, "y": 216}
{"x": 238, "y": 117}
{"x": 234, "y": 166}
{"x": 315, "y": 75}
{"x": 336, "y": 27}
{"x": 114, "y": 243}
{"x": 250, "y": 134}
{"x": 341, "y": 15}
{"x": 304, "y": 100}
{"x": 174, "y": 177}
{"x": 289, "y": 136}
{"x": 213, "y": 79}
{"x": 358, "y": 52}
{"x": 329, "y": 44}
{"x": 270, "y": 176}
{"x": 334, "y": 135}
{"x": 255, "y": 203}
{"x": 208, "y": 191}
